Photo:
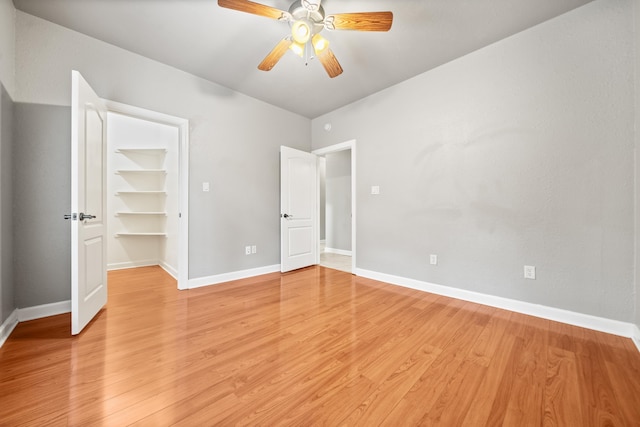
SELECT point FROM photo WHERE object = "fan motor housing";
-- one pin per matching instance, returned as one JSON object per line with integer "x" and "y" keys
{"x": 314, "y": 17}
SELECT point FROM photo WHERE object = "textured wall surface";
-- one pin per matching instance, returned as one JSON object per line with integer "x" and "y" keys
{"x": 518, "y": 154}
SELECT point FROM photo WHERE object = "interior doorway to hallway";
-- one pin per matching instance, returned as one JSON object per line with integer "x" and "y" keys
{"x": 336, "y": 173}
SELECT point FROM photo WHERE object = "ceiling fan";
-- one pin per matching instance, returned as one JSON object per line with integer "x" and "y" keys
{"x": 307, "y": 19}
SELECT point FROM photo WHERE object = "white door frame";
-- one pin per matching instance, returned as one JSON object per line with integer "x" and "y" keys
{"x": 343, "y": 146}
{"x": 183, "y": 176}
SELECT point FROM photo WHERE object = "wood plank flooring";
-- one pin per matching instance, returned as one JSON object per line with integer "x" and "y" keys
{"x": 312, "y": 347}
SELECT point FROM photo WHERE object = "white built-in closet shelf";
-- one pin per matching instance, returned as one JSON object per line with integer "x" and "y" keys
{"x": 141, "y": 192}
{"x": 141, "y": 213}
{"x": 121, "y": 171}
{"x": 141, "y": 234}
{"x": 140, "y": 150}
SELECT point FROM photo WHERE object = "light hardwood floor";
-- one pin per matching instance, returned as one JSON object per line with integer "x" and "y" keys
{"x": 311, "y": 347}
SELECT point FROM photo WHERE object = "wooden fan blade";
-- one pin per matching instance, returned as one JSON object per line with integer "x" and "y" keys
{"x": 254, "y": 8}
{"x": 330, "y": 63}
{"x": 363, "y": 21}
{"x": 274, "y": 56}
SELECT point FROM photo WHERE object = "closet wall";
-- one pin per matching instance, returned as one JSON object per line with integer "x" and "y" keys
{"x": 142, "y": 188}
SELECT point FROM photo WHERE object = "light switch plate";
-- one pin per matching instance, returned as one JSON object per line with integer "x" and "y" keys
{"x": 375, "y": 189}
{"x": 205, "y": 186}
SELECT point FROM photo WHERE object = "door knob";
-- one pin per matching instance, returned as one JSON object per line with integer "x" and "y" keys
{"x": 287, "y": 216}
{"x": 84, "y": 216}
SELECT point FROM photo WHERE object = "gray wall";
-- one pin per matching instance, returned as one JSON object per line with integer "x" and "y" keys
{"x": 338, "y": 200}
{"x": 518, "y": 154}
{"x": 7, "y": 72}
{"x": 636, "y": 21}
{"x": 7, "y": 299}
{"x": 234, "y": 145}
{"x": 41, "y": 198}
{"x": 7, "y": 45}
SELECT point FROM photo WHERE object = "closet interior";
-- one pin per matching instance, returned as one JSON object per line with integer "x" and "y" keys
{"x": 142, "y": 188}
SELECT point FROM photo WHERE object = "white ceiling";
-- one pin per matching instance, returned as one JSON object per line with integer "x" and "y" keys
{"x": 225, "y": 46}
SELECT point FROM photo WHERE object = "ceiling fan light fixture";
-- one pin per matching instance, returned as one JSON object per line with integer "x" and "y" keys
{"x": 320, "y": 44}
{"x": 297, "y": 48}
{"x": 301, "y": 31}
{"x": 307, "y": 19}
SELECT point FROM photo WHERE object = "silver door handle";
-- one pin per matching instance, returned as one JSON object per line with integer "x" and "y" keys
{"x": 84, "y": 216}
{"x": 287, "y": 216}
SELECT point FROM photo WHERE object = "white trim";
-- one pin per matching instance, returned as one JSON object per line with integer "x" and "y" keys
{"x": 8, "y": 326}
{"x": 145, "y": 263}
{"x": 132, "y": 264}
{"x": 45, "y": 310}
{"x": 601, "y": 324}
{"x": 636, "y": 336}
{"x": 234, "y": 275}
{"x": 182, "y": 269}
{"x": 347, "y": 145}
{"x": 170, "y": 270}
{"x": 337, "y": 251}
{"x": 183, "y": 179}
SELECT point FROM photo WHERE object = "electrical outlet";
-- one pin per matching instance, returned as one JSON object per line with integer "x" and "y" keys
{"x": 529, "y": 272}
{"x": 247, "y": 250}
{"x": 433, "y": 259}
{"x": 254, "y": 249}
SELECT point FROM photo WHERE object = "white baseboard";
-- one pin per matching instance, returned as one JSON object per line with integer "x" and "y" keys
{"x": 337, "y": 251}
{"x": 169, "y": 269}
{"x": 235, "y": 275}
{"x": 45, "y": 310}
{"x": 132, "y": 264}
{"x": 601, "y": 324}
{"x": 144, "y": 263}
{"x": 8, "y": 326}
{"x": 636, "y": 336}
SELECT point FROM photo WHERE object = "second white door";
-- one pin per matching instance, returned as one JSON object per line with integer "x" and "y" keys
{"x": 298, "y": 209}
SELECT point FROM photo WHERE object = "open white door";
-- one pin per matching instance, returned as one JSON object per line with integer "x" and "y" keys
{"x": 298, "y": 209}
{"x": 88, "y": 204}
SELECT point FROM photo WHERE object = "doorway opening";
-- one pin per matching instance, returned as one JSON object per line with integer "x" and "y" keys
{"x": 147, "y": 197}
{"x": 337, "y": 218}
